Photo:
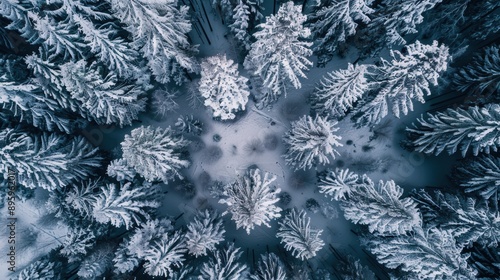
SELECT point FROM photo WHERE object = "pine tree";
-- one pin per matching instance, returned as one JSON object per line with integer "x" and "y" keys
{"x": 155, "y": 154}
{"x": 298, "y": 236}
{"x": 481, "y": 175}
{"x": 224, "y": 265}
{"x": 431, "y": 254}
{"x": 125, "y": 205}
{"x": 337, "y": 184}
{"x": 159, "y": 30}
{"x": 270, "y": 267}
{"x": 204, "y": 233}
{"x": 405, "y": 78}
{"x": 339, "y": 90}
{"x": 78, "y": 243}
{"x": 119, "y": 170}
{"x": 311, "y": 142}
{"x": 252, "y": 200}
{"x": 164, "y": 254}
{"x": 41, "y": 269}
{"x": 472, "y": 129}
{"x": 96, "y": 264}
{"x": 81, "y": 197}
{"x": 163, "y": 103}
{"x": 286, "y": 61}
{"x": 332, "y": 25}
{"x": 189, "y": 124}
{"x": 49, "y": 161}
{"x": 240, "y": 25}
{"x": 224, "y": 90}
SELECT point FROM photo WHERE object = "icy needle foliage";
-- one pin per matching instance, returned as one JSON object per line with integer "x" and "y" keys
{"x": 339, "y": 90}
{"x": 311, "y": 142}
{"x": 42, "y": 270}
{"x": 270, "y": 267}
{"x": 481, "y": 174}
{"x": 252, "y": 199}
{"x": 224, "y": 89}
{"x": 431, "y": 254}
{"x": 298, "y": 236}
{"x": 475, "y": 129}
{"x": 334, "y": 24}
{"x": 119, "y": 170}
{"x": 77, "y": 243}
{"x": 49, "y": 161}
{"x": 224, "y": 265}
{"x": 286, "y": 60}
{"x": 189, "y": 124}
{"x": 155, "y": 154}
{"x": 204, "y": 233}
{"x": 337, "y": 184}
{"x": 96, "y": 264}
{"x": 125, "y": 205}
{"x": 164, "y": 254}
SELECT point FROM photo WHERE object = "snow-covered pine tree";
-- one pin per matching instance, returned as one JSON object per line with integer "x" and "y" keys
{"x": 405, "y": 78}
{"x": 224, "y": 89}
{"x": 480, "y": 174}
{"x": 159, "y": 30}
{"x": 104, "y": 100}
{"x": 119, "y": 170}
{"x": 298, "y": 236}
{"x": 352, "y": 269}
{"x": 164, "y": 254}
{"x": 333, "y": 24}
{"x": 97, "y": 262}
{"x": 239, "y": 27}
{"x": 311, "y": 142}
{"x": 252, "y": 199}
{"x": 204, "y": 233}
{"x": 163, "y": 103}
{"x": 430, "y": 253}
{"x": 41, "y": 269}
{"x": 78, "y": 243}
{"x": 49, "y": 161}
{"x": 155, "y": 154}
{"x": 224, "y": 265}
{"x": 337, "y": 184}
{"x": 17, "y": 13}
{"x": 337, "y": 92}
{"x": 286, "y": 61}
{"x": 125, "y": 205}
{"x": 472, "y": 129}
{"x": 467, "y": 219}
{"x": 189, "y": 124}
{"x": 82, "y": 196}
{"x": 270, "y": 267}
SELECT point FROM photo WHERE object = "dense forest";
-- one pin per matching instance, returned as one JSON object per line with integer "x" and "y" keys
{"x": 250, "y": 139}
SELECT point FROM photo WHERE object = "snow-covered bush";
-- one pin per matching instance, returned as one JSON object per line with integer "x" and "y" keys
{"x": 224, "y": 89}
{"x": 311, "y": 142}
{"x": 252, "y": 199}
{"x": 204, "y": 233}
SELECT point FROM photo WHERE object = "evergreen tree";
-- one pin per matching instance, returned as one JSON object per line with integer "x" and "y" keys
{"x": 17, "y": 13}
{"x": 97, "y": 262}
{"x": 286, "y": 61}
{"x": 311, "y": 142}
{"x": 337, "y": 184}
{"x": 78, "y": 243}
{"x": 472, "y": 129}
{"x": 155, "y": 154}
{"x": 332, "y": 25}
{"x": 49, "y": 161}
{"x": 41, "y": 269}
{"x": 224, "y": 265}
{"x": 481, "y": 175}
{"x": 252, "y": 200}
{"x": 164, "y": 254}
{"x": 204, "y": 233}
{"x": 270, "y": 267}
{"x": 224, "y": 90}
{"x": 339, "y": 90}
{"x": 298, "y": 236}
{"x": 240, "y": 25}
{"x": 189, "y": 124}
{"x": 119, "y": 170}
{"x": 163, "y": 103}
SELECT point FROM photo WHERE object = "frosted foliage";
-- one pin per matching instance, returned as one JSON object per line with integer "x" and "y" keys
{"x": 339, "y": 90}
{"x": 224, "y": 90}
{"x": 286, "y": 61}
{"x": 162, "y": 103}
{"x": 224, "y": 265}
{"x": 40, "y": 270}
{"x": 119, "y": 170}
{"x": 204, "y": 233}
{"x": 159, "y": 31}
{"x": 431, "y": 254}
{"x": 405, "y": 78}
{"x": 49, "y": 161}
{"x": 155, "y": 154}
{"x": 20, "y": 21}
{"x": 475, "y": 129}
{"x": 96, "y": 264}
{"x": 189, "y": 124}
{"x": 311, "y": 142}
{"x": 482, "y": 175}
{"x": 82, "y": 196}
{"x": 239, "y": 27}
{"x": 270, "y": 267}
{"x": 77, "y": 243}
{"x": 337, "y": 184}
{"x": 381, "y": 207}
{"x": 298, "y": 236}
{"x": 252, "y": 199}
{"x": 126, "y": 205}
{"x": 332, "y": 25}
{"x": 164, "y": 255}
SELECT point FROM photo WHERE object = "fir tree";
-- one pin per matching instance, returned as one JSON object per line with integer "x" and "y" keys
{"x": 458, "y": 129}
{"x": 119, "y": 170}
{"x": 481, "y": 175}
{"x": 78, "y": 243}
{"x": 252, "y": 200}
{"x": 41, "y": 269}
{"x": 164, "y": 255}
{"x": 189, "y": 124}
{"x": 337, "y": 184}
{"x": 298, "y": 236}
{"x": 224, "y": 90}
{"x": 311, "y": 142}
{"x": 224, "y": 265}
{"x": 270, "y": 267}
{"x": 204, "y": 233}
{"x": 96, "y": 264}
{"x": 286, "y": 61}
